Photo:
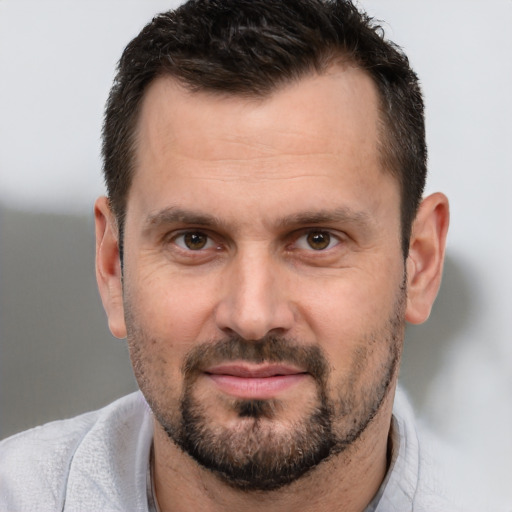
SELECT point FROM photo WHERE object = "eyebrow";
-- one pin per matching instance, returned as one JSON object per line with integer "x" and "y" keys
{"x": 174, "y": 215}
{"x": 344, "y": 215}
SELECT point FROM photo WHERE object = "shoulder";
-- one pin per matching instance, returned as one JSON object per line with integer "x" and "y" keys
{"x": 37, "y": 465}
{"x": 434, "y": 474}
{"x": 35, "y": 462}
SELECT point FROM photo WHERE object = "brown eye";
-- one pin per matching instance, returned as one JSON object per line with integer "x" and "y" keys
{"x": 318, "y": 240}
{"x": 195, "y": 240}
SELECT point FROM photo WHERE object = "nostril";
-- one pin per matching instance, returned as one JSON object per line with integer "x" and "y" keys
{"x": 253, "y": 324}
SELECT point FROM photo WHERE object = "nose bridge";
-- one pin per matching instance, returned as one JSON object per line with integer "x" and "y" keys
{"x": 254, "y": 302}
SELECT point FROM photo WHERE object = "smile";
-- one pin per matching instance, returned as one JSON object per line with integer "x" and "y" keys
{"x": 257, "y": 382}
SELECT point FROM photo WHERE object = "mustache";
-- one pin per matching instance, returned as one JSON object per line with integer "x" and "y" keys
{"x": 270, "y": 349}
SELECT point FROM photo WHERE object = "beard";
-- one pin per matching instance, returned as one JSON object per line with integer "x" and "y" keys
{"x": 255, "y": 455}
{"x": 256, "y": 452}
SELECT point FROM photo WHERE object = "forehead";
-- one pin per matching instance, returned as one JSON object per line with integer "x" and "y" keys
{"x": 337, "y": 110}
{"x": 320, "y": 130}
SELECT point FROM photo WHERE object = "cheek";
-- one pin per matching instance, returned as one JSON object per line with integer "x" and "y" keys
{"x": 349, "y": 317}
{"x": 165, "y": 319}
{"x": 174, "y": 310}
{"x": 156, "y": 356}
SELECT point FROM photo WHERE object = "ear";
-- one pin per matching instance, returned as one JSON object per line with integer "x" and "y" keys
{"x": 108, "y": 266}
{"x": 426, "y": 256}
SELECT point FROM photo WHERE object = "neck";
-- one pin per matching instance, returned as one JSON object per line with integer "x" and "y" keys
{"x": 347, "y": 481}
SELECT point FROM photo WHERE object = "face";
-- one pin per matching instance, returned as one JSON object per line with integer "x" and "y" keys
{"x": 263, "y": 277}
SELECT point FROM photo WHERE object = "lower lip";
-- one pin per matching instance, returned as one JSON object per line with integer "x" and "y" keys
{"x": 256, "y": 388}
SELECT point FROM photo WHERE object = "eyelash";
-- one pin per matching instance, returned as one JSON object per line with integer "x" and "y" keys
{"x": 333, "y": 240}
{"x": 209, "y": 240}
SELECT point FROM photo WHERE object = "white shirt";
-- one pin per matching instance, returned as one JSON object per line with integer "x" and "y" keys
{"x": 99, "y": 461}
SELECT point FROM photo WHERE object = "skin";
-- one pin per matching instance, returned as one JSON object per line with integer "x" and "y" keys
{"x": 257, "y": 176}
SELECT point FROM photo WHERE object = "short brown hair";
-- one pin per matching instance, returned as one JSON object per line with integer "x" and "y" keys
{"x": 250, "y": 47}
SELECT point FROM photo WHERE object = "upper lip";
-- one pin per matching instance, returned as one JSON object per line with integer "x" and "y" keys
{"x": 254, "y": 371}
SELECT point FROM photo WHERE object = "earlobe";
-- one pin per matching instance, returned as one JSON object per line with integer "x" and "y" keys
{"x": 426, "y": 256}
{"x": 108, "y": 266}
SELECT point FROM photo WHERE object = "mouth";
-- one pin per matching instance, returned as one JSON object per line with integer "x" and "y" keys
{"x": 255, "y": 382}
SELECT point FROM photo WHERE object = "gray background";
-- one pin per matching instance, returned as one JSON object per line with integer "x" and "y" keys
{"x": 57, "y": 357}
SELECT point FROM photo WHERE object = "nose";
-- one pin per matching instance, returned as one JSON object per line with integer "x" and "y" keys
{"x": 254, "y": 297}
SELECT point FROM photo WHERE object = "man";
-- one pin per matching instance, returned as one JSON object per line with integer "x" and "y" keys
{"x": 263, "y": 242}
